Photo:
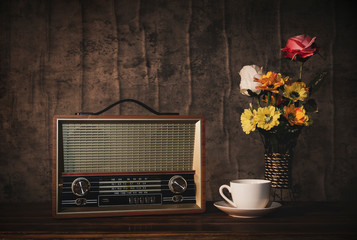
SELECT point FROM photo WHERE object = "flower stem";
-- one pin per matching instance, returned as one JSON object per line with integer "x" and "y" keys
{"x": 258, "y": 102}
{"x": 300, "y": 72}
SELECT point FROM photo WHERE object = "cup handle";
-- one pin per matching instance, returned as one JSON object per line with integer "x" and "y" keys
{"x": 224, "y": 196}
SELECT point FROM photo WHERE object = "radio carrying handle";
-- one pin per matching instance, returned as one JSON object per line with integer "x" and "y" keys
{"x": 126, "y": 100}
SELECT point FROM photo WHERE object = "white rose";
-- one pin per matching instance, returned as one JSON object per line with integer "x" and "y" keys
{"x": 247, "y": 82}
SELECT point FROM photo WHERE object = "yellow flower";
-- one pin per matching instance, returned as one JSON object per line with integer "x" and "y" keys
{"x": 296, "y": 91}
{"x": 296, "y": 115}
{"x": 248, "y": 120}
{"x": 267, "y": 117}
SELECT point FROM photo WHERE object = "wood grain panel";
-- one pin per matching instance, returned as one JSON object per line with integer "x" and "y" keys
{"x": 23, "y": 158}
{"x": 132, "y": 62}
{"x": 64, "y": 66}
{"x": 6, "y": 103}
{"x": 209, "y": 81}
{"x": 343, "y": 159}
{"x": 246, "y": 47}
{"x": 166, "y": 25}
{"x": 325, "y": 221}
{"x": 153, "y": 24}
{"x": 100, "y": 52}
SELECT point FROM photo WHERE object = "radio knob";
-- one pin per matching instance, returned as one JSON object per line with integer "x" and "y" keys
{"x": 177, "y": 184}
{"x": 80, "y": 186}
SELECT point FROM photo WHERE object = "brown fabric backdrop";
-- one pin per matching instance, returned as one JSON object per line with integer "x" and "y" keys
{"x": 62, "y": 57}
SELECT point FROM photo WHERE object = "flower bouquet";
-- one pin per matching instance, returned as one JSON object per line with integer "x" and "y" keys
{"x": 283, "y": 108}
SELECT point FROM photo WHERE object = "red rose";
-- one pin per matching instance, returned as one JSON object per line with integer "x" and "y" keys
{"x": 300, "y": 48}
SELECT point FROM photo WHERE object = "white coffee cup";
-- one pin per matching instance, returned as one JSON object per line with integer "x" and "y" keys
{"x": 248, "y": 193}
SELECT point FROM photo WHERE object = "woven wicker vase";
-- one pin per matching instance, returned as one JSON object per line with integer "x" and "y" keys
{"x": 279, "y": 147}
{"x": 278, "y": 170}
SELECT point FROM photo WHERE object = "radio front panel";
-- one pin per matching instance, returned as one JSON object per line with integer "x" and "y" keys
{"x": 107, "y": 166}
{"x": 127, "y": 190}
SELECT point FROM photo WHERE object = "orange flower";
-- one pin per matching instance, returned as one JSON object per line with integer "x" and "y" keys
{"x": 274, "y": 101}
{"x": 271, "y": 82}
{"x": 296, "y": 115}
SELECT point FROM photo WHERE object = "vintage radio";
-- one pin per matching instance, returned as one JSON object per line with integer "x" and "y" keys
{"x": 128, "y": 165}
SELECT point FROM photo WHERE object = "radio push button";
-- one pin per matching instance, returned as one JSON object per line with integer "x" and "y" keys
{"x": 177, "y": 184}
{"x": 142, "y": 200}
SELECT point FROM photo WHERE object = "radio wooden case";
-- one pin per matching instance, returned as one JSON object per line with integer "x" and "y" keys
{"x": 127, "y": 165}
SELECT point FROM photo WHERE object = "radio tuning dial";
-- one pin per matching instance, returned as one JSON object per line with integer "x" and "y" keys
{"x": 80, "y": 186}
{"x": 177, "y": 184}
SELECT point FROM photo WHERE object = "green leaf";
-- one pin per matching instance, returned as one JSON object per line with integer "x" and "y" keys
{"x": 310, "y": 106}
{"x": 316, "y": 82}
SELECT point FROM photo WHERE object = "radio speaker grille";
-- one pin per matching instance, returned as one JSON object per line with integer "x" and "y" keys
{"x": 128, "y": 147}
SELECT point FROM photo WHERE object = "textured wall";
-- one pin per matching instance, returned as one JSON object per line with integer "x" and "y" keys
{"x": 62, "y": 57}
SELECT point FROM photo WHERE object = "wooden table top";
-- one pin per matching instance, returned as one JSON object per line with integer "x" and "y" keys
{"x": 301, "y": 220}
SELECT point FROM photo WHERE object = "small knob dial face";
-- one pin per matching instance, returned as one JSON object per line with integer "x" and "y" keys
{"x": 80, "y": 186}
{"x": 177, "y": 184}
{"x": 177, "y": 198}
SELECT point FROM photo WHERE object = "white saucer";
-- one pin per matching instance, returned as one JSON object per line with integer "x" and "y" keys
{"x": 246, "y": 213}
